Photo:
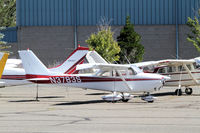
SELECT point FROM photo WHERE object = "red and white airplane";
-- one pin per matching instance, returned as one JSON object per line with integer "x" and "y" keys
{"x": 14, "y": 73}
{"x": 109, "y": 77}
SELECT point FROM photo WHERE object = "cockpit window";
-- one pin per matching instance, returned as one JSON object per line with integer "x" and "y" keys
{"x": 196, "y": 66}
{"x": 136, "y": 69}
{"x": 161, "y": 70}
{"x": 131, "y": 72}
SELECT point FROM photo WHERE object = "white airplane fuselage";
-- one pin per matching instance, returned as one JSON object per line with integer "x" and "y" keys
{"x": 14, "y": 76}
{"x": 141, "y": 82}
{"x": 183, "y": 77}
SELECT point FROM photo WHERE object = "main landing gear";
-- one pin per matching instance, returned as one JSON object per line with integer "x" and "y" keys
{"x": 148, "y": 98}
{"x": 114, "y": 97}
{"x": 179, "y": 92}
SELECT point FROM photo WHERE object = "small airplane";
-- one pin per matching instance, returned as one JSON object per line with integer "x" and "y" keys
{"x": 14, "y": 73}
{"x": 115, "y": 78}
{"x": 3, "y": 59}
{"x": 183, "y": 73}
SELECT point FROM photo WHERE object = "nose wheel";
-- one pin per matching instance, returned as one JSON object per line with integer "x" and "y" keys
{"x": 188, "y": 91}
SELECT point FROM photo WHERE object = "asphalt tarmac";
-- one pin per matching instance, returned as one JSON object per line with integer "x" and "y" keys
{"x": 74, "y": 110}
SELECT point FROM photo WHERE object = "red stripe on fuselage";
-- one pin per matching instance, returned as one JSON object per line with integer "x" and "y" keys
{"x": 14, "y": 77}
{"x": 83, "y": 79}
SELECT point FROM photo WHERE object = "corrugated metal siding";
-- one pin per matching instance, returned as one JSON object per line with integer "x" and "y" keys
{"x": 44, "y": 12}
{"x": 90, "y": 12}
{"x": 10, "y": 34}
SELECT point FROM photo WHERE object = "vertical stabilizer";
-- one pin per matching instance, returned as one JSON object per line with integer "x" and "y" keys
{"x": 69, "y": 65}
{"x": 3, "y": 57}
{"x": 94, "y": 57}
{"x": 32, "y": 64}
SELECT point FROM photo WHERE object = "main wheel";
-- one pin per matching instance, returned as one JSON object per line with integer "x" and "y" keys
{"x": 188, "y": 91}
{"x": 125, "y": 100}
{"x": 151, "y": 101}
{"x": 178, "y": 92}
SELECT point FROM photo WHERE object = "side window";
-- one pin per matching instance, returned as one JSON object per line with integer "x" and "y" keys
{"x": 105, "y": 74}
{"x": 171, "y": 69}
{"x": 122, "y": 72}
{"x": 161, "y": 70}
{"x": 181, "y": 68}
{"x": 189, "y": 66}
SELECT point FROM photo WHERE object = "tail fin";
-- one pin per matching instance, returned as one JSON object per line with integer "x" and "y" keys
{"x": 31, "y": 64}
{"x": 94, "y": 57}
{"x": 69, "y": 65}
{"x": 3, "y": 57}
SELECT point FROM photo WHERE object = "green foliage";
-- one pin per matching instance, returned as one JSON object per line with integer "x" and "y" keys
{"x": 7, "y": 13}
{"x": 104, "y": 44}
{"x": 2, "y": 43}
{"x": 129, "y": 42}
{"x": 195, "y": 29}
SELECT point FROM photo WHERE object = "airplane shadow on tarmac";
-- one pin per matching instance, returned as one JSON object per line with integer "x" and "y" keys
{"x": 33, "y": 100}
{"x": 163, "y": 94}
{"x": 97, "y": 94}
{"x": 80, "y": 102}
{"x": 171, "y": 94}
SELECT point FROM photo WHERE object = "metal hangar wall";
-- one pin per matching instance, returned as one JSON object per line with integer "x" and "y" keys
{"x": 59, "y": 25}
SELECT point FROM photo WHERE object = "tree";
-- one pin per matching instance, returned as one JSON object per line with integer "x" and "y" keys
{"x": 129, "y": 41}
{"x": 194, "y": 37}
{"x": 7, "y": 13}
{"x": 2, "y": 43}
{"x": 104, "y": 44}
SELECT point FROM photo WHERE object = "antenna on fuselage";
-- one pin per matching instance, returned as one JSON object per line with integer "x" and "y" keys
{"x": 127, "y": 59}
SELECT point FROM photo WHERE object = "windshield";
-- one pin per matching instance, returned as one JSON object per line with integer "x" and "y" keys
{"x": 136, "y": 69}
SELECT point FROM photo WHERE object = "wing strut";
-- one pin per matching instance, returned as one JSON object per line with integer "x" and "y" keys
{"x": 191, "y": 75}
{"x": 123, "y": 79}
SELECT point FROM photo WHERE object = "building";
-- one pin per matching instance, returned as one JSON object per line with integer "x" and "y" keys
{"x": 52, "y": 28}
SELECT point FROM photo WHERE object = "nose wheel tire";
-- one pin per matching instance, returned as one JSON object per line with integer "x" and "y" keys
{"x": 188, "y": 91}
{"x": 178, "y": 92}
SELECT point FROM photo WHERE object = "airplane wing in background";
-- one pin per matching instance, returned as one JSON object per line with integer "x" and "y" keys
{"x": 164, "y": 62}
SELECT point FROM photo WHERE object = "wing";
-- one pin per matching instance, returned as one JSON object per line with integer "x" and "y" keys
{"x": 13, "y": 63}
{"x": 164, "y": 62}
{"x": 102, "y": 66}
